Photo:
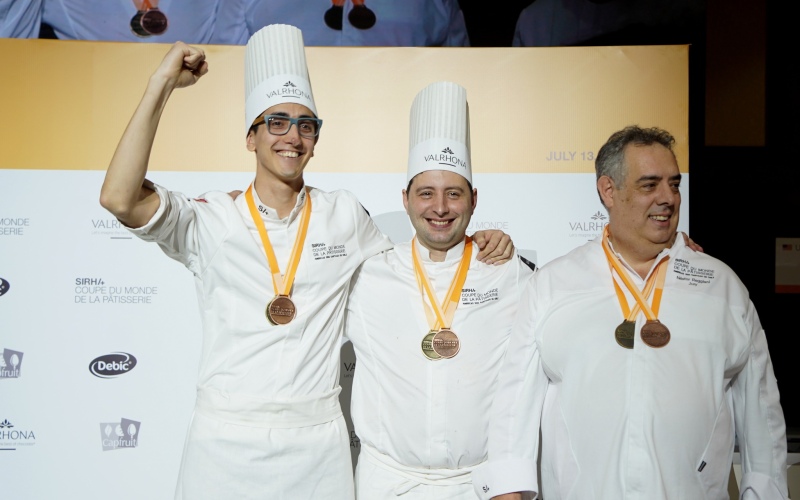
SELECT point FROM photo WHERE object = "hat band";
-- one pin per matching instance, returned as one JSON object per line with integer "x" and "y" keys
{"x": 440, "y": 154}
{"x": 278, "y": 89}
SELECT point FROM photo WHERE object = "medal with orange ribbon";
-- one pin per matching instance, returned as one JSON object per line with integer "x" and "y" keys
{"x": 148, "y": 20}
{"x": 441, "y": 342}
{"x": 653, "y": 332}
{"x": 360, "y": 15}
{"x": 281, "y": 309}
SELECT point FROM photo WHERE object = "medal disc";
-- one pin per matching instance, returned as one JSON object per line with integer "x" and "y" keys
{"x": 333, "y": 17}
{"x": 281, "y": 310}
{"x": 362, "y": 17}
{"x": 427, "y": 347}
{"x": 445, "y": 343}
{"x": 154, "y": 21}
{"x": 625, "y": 333}
{"x": 136, "y": 25}
{"x": 655, "y": 334}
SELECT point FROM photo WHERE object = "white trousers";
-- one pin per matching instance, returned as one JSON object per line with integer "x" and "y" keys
{"x": 242, "y": 460}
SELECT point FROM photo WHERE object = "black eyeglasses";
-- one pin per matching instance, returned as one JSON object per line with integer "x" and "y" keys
{"x": 280, "y": 125}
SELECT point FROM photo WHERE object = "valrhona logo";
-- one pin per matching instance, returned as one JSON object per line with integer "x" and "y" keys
{"x": 589, "y": 228}
{"x": 112, "y": 365}
{"x": 10, "y": 363}
{"x": 447, "y": 157}
{"x": 12, "y": 437}
{"x": 289, "y": 89}
{"x": 122, "y": 434}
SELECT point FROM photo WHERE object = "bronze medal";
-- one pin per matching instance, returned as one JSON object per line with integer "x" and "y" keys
{"x": 281, "y": 310}
{"x": 427, "y": 347}
{"x": 333, "y": 17}
{"x": 445, "y": 343}
{"x": 154, "y": 21}
{"x": 655, "y": 334}
{"x": 362, "y": 17}
{"x": 625, "y": 333}
{"x": 136, "y": 25}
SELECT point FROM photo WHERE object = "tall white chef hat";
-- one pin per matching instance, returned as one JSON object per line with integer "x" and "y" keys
{"x": 275, "y": 71}
{"x": 439, "y": 132}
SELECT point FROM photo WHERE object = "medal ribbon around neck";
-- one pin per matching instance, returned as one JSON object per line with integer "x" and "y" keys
{"x": 653, "y": 333}
{"x": 441, "y": 342}
{"x": 281, "y": 309}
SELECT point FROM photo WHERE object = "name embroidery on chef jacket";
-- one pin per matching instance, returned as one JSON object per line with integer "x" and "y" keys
{"x": 686, "y": 273}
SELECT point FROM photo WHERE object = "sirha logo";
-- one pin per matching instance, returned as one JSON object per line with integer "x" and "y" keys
{"x": 289, "y": 89}
{"x": 446, "y": 157}
{"x": 10, "y": 363}
{"x": 122, "y": 434}
{"x": 12, "y": 437}
{"x": 4, "y": 286}
{"x": 112, "y": 365}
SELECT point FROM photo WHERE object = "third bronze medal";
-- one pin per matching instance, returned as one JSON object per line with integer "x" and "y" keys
{"x": 281, "y": 310}
{"x": 625, "y": 333}
{"x": 655, "y": 334}
{"x": 441, "y": 342}
{"x": 445, "y": 343}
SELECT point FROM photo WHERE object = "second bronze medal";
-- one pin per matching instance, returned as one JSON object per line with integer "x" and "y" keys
{"x": 154, "y": 22}
{"x": 445, "y": 343}
{"x": 655, "y": 334}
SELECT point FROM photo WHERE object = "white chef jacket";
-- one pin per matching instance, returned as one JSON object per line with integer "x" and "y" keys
{"x": 644, "y": 423}
{"x": 20, "y": 18}
{"x": 190, "y": 21}
{"x": 427, "y": 421}
{"x": 267, "y": 422}
{"x": 410, "y": 23}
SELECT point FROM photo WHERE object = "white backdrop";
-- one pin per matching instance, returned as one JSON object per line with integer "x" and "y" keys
{"x": 80, "y": 299}
{"x": 79, "y": 287}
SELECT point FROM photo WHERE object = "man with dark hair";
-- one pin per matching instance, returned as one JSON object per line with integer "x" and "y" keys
{"x": 430, "y": 324}
{"x": 267, "y": 421}
{"x": 638, "y": 359}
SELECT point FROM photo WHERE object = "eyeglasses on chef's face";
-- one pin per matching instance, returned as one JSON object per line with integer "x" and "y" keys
{"x": 279, "y": 125}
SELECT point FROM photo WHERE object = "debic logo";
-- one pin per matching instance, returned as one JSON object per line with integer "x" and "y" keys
{"x": 112, "y": 365}
{"x": 4, "y": 286}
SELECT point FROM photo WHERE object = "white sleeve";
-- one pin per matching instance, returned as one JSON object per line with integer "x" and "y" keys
{"x": 516, "y": 413}
{"x": 173, "y": 227}
{"x": 370, "y": 239}
{"x": 759, "y": 421}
